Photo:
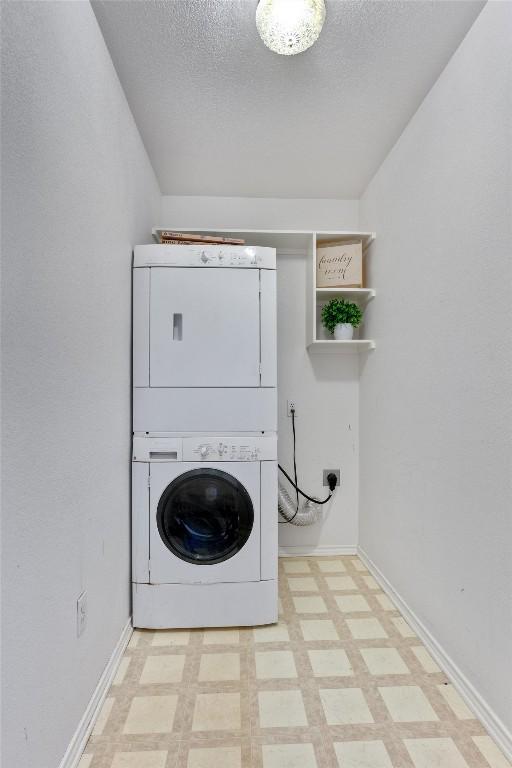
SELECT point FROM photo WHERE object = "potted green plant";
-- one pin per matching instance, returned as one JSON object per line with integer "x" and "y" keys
{"x": 341, "y": 317}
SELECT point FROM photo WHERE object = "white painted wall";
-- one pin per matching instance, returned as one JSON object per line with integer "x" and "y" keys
{"x": 324, "y": 387}
{"x": 436, "y": 396}
{"x": 258, "y": 213}
{"x": 78, "y": 193}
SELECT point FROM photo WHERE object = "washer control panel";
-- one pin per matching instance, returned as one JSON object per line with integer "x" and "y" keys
{"x": 224, "y": 451}
{"x": 206, "y": 448}
{"x": 227, "y": 449}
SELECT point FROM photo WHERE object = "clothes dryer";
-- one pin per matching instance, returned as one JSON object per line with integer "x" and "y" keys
{"x": 204, "y": 338}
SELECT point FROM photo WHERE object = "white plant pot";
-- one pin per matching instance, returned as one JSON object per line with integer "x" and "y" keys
{"x": 343, "y": 331}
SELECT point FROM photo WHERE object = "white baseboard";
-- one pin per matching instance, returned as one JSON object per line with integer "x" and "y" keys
{"x": 86, "y": 724}
{"x": 318, "y": 551}
{"x": 489, "y": 719}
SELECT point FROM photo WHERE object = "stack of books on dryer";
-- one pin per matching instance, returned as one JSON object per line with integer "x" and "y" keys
{"x": 166, "y": 237}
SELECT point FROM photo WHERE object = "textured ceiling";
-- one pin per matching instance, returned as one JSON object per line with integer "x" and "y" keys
{"x": 222, "y": 115}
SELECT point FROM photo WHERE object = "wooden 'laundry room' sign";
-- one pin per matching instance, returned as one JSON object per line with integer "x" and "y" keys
{"x": 339, "y": 265}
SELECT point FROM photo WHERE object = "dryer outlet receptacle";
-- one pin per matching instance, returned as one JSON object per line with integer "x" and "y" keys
{"x": 327, "y": 472}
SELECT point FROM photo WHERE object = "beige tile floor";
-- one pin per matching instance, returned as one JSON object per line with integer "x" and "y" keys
{"x": 341, "y": 682}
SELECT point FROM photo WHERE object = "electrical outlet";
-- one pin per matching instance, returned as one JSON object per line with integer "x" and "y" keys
{"x": 291, "y": 406}
{"x": 334, "y": 472}
{"x": 81, "y": 614}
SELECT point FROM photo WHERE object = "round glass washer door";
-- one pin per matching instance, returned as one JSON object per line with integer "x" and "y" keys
{"x": 205, "y": 516}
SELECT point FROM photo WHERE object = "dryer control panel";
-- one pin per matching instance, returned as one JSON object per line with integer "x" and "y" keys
{"x": 206, "y": 448}
{"x": 205, "y": 255}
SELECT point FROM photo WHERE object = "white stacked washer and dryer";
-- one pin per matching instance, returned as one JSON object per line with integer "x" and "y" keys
{"x": 204, "y": 463}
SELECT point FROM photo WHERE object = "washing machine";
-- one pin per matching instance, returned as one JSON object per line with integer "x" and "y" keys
{"x": 204, "y": 530}
{"x": 204, "y": 339}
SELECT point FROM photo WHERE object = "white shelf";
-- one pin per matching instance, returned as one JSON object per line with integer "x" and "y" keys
{"x": 283, "y": 240}
{"x": 361, "y": 294}
{"x": 343, "y": 236}
{"x": 335, "y": 347}
{"x": 317, "y": 297}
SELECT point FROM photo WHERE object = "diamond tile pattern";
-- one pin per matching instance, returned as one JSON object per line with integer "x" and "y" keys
{"x": 341, "y": 682}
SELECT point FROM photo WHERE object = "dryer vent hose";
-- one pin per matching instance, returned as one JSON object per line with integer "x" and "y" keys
{"x": 307, "y": 514}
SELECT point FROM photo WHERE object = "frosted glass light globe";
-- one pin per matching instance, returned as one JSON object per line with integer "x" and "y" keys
{"x": 290, "y": 26}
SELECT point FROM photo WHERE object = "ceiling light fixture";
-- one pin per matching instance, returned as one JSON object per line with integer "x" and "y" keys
{"x": 290, "y": 26}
